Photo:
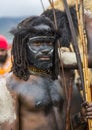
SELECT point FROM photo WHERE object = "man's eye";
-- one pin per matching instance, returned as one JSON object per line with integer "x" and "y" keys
{"x": 50, "y": 43}
{"x": 36, "y": 44}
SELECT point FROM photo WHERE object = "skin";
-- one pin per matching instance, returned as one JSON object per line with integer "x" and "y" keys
{"x": 40, "y": 102}
{"x": 40, "y": 54}
{"x": 3, "y": 54}
{"x": 35, "y": 116}
{"x": 89, "y": 111}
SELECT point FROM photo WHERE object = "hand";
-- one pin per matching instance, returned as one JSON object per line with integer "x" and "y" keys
{"x": 87, "y": 110}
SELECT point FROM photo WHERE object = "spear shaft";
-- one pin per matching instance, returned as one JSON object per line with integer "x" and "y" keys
{"x": 75, "y": 45}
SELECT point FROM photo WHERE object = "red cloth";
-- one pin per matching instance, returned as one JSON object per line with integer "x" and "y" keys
{"x": 3, "y": 43}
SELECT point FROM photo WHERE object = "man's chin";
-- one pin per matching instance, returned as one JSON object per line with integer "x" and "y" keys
{"x": 3, "y": 59}
{"x": 44, "y": 66}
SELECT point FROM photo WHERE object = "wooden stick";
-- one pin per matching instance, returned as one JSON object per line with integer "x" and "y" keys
{"x": 42, "y": 5}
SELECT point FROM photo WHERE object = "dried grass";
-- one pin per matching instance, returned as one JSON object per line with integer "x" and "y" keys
{"x": 59, "y": 5}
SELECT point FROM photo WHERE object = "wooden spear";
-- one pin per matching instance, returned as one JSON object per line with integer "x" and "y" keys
{"x": 75, "y": 45}
{"x": 67, "y": 90}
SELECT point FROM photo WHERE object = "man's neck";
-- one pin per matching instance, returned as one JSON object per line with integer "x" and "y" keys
{"x": 36, "y": 71}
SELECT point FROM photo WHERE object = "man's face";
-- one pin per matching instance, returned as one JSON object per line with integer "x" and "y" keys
{"x": 3, "y": 55}
{"x": 40, "y": 54}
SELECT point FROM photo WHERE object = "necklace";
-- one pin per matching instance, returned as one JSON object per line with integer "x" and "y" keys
{"x": 37, "y": 71}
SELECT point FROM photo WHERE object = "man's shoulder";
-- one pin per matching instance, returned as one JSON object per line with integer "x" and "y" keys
{"x": 9, "y": 79}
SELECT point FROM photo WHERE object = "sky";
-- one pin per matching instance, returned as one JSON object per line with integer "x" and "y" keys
{"x": 15, "y": 8}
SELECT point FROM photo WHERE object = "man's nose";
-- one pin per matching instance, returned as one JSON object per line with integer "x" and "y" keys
{"x": 45, "y": 51}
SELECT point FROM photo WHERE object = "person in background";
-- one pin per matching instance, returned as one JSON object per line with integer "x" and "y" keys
{"x": 5, "y": 58}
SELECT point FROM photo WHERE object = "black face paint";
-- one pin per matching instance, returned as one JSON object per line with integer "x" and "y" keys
{"x": 40, "y": 54}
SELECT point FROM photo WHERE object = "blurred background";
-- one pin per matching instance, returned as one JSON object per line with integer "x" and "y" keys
{"x": 13, "y": 11}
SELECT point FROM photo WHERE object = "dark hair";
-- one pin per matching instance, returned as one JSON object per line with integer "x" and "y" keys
{"x": 63, "y": 24}
{"x": 24, "y": 31}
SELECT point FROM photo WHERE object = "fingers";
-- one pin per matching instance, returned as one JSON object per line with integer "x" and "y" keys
{"x": 88, "y": 117}
{"x": 90, "y": 104}
{"x": 89, "y": 111}
{"x": 85, "y": 104}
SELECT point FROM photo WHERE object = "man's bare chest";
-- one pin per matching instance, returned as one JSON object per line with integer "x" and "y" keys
{"x": 37, "y": 92}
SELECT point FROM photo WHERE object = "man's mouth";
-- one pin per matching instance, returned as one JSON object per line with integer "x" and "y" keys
{"x": 44, "y": 58}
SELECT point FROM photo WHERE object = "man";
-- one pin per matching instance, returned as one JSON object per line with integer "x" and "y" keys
{"x": 40, "y": 100}
{"x": 5, "y": 60}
